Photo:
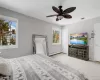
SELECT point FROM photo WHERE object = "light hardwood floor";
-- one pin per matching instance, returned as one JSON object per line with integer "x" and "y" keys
{"x": 90, "y": 69}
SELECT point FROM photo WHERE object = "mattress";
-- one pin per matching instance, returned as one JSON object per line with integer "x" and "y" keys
{"x": 41, "y": 67}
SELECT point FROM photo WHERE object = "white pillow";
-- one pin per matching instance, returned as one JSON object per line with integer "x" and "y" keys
{"x": 4, "y": 67}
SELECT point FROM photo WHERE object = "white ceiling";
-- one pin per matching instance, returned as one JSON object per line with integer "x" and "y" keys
{"x": 41, "y": 8}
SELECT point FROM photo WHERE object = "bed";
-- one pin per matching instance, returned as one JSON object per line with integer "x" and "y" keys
{"x": 41, "y": 67}
{"x": 37, "y": 67}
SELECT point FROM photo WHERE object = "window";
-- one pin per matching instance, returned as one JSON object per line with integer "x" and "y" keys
{"x": 8, "y": 32}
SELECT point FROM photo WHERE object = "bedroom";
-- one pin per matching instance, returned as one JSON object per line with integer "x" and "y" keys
{"x": 30, "y": 21}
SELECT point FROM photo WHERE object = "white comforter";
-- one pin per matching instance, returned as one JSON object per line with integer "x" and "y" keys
{"x": 40, "y": 67}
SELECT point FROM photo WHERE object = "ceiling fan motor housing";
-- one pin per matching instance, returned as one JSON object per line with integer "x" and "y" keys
{"x": 60, "y": 7}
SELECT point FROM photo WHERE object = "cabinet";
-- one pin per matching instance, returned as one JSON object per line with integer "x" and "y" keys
{"x": 79, "y": 51}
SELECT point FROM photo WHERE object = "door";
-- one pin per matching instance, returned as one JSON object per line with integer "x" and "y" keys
{"x": 97, "y": 42}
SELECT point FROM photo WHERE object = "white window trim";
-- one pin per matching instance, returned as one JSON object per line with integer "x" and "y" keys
{"x": 11, "y": 46}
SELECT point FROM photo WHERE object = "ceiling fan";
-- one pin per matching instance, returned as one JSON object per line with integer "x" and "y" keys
{"x": 62, "y": 13}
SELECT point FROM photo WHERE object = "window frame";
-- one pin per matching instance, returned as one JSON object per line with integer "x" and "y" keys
{"x": 11, "y": 46}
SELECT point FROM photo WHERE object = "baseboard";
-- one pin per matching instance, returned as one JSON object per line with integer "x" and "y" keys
{"x": 64, "y": 53}
{"x": 55, "y": 53}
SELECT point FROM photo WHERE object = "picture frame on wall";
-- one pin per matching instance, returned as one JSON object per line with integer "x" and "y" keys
{"x": 56, "y": 36}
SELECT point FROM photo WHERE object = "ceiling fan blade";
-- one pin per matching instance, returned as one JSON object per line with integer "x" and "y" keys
{"x": 55, "y": 9}
{"x": 52, "y": 15}
{"x": 67, "y": 16}
{"x": 57, "y": 19}
{"x": 69, "y": 10}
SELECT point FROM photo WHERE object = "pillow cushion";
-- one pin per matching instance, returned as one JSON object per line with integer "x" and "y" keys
{"x": 4, "y": 69}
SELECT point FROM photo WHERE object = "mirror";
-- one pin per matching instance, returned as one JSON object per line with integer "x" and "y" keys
{"x": 40, "y": 44}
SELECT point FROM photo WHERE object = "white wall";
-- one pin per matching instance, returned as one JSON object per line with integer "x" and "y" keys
{"x": 81, "y": 27}
{"x": 26, "y": 27}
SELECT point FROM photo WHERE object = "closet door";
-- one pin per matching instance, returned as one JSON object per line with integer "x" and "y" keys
{"x": 97, "y": 42}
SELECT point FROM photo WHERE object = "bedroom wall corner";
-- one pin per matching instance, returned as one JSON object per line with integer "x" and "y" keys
{"x": 26, "y": 27}
{"x": 81, "y": 27}
{"x": 53, "y": 49}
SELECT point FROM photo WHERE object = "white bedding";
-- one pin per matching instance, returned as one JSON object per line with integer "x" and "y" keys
{"x": 41, "y": 67}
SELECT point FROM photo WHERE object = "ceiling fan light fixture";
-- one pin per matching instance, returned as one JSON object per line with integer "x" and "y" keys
{"x": 60, "y": 17}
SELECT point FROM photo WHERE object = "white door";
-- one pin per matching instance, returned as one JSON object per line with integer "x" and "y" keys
{"x": 65, "y": 40}
{"x": 97, "y": 42}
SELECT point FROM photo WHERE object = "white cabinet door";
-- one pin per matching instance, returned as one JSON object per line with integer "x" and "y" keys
{"x": 97, "y": 42}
